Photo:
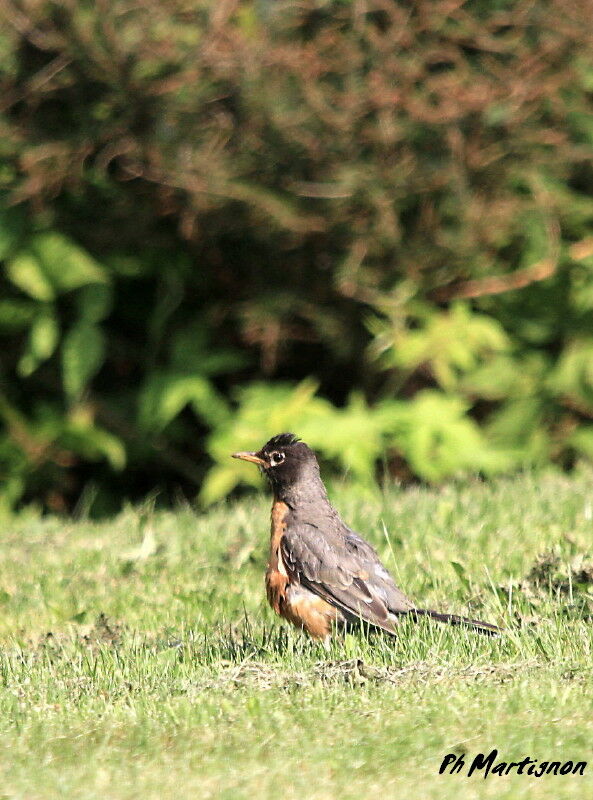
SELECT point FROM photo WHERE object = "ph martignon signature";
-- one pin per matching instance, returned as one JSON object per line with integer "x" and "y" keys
{"x": 486, "y": 765}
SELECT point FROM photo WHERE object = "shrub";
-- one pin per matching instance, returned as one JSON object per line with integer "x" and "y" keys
{"x": 203, "y": 206}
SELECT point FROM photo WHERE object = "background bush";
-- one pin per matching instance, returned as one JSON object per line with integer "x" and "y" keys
{"x": 371, "y": 223}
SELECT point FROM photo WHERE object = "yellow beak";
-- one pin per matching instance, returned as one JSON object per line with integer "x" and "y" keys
{"x": 250, "y": 457}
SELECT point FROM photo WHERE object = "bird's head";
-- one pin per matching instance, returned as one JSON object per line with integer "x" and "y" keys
{"x": 285, "y": 460}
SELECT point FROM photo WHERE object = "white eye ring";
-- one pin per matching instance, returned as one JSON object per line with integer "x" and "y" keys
{"x": 276, "y": 458}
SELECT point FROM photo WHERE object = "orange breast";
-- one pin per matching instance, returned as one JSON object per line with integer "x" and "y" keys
{"x": 276, "y": 575}
{"x": 285, "y": 594}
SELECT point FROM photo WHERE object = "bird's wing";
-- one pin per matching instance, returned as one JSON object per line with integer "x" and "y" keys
{"x": 346, "y": 571}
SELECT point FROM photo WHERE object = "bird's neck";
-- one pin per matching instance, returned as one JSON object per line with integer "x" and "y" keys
{"x": 305, "y": 494}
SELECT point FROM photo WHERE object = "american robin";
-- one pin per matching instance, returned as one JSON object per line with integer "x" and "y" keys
{"x": 320, "y": 573}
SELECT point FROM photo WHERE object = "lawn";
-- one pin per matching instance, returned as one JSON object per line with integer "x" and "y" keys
{"x": 138, "y": 658}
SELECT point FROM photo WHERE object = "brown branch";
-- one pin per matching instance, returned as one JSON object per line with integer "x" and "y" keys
{"x": 38, "y": 81}
{"x": 497, "y": 284}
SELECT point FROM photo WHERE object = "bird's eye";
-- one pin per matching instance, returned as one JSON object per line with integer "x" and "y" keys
{"x": 276, "y": 458}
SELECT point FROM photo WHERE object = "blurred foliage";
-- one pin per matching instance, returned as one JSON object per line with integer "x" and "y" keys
{"x": 370, "y": 223}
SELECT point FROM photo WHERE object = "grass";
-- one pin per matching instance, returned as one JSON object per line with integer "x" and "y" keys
{"x": 138, "y": 657}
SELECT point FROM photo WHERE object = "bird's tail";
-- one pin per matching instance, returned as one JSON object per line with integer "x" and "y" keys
{"x": 453, "y": 619}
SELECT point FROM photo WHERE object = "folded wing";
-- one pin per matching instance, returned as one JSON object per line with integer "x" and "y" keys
{"x": 345, "y": 571}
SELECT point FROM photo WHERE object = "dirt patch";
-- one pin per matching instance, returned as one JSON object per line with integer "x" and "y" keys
{"x": 355, "y": 672}
{"x": 567, "y": 582}
{"x": 103, "y": 632}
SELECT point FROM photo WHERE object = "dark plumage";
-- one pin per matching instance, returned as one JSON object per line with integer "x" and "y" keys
{"x": 320, "y": 571}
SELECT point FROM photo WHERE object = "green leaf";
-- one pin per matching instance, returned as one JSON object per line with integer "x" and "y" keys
{"x": 66, "y": 265}
{"x": 11, "y": 491}
{"x": 165, "y": 395}
{"x": 437, "y": 438}
{"x": 109, "y": 446}
{"x": 93, "y": 443}
{"x": 43, "y": 338}
{"x": 517, "y": 425}
{"x": 16, "y": 314}
{"x": 494, "y": 379}
{"x": 94, "y": 302}
{"x": 82, "y": 356}
{"x": 507, "y": 375}
{"x": 26, "y": 272}
{"x": 582, "y": 124}
{"x": 451, "y": 343}
{"x": 219, "y": 482}
{"x": 191, "y": 352}
{"x": 573, "y": 375}
{"x": 534, "y": 229}
{"x": 582, "y": 440}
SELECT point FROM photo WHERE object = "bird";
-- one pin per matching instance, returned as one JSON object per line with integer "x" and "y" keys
{"x": 322, "y": 575}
